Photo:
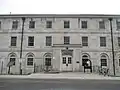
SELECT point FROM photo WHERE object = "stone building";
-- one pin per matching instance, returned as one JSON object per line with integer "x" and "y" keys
{"x": 60, "y": 41}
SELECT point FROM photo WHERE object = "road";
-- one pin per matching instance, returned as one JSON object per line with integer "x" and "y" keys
{"x": 40, "y": 84}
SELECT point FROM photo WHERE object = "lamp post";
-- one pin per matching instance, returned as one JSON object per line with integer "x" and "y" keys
{"x": 113, "y": 57}
{"x": 23, "y": 21}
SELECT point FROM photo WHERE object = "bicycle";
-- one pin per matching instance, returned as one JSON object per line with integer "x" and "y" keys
{"x": 103, "y": 71}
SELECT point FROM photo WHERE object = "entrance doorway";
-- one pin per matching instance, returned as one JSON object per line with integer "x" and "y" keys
{"x": 47, "y": 61}
{"x": 67, "y": 63}
{"x": 86, "y": 62}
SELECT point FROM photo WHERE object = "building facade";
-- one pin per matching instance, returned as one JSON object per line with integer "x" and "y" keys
{"x": 29, "y": 42}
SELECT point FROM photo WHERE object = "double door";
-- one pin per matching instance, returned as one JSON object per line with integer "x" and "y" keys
{"x": 67, "y": 63}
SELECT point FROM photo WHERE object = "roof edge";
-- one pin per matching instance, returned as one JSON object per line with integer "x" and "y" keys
{"x": 59, "y": 15}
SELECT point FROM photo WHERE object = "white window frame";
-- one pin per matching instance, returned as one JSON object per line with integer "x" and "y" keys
{"x": 102, "y": 43}
{"x": 31, "y": 24}
{"x": 119, "y": 61}
{"x": 84, "y": 43}
{"x": 13, "y": 43}
{"x": 31, "y": 42}
{"x": 118, "y": 41}
{"x": 102, "y": 24}
{"x": 103, "y": 58}
{"x": 66, "y": 42}
{"x": 29, "y": 57}
{"x": 49, "y": 24}
{"x": 84, "y": 24}
{"x": 0, "y": 25}
{"x": 15, "y": 25}
{"x": 118, "y": 24}
{"x": 49, "y": 42}
{"x": 67, "y": 24}
{"x": 12, "y": 58}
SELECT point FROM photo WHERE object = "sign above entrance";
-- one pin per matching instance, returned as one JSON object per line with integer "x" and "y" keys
{"x": 67, "y": 52}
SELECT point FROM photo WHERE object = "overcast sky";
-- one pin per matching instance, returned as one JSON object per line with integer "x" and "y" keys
{"x": 60, "y": 6}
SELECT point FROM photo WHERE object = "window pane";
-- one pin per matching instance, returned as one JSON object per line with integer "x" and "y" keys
{"x": 30, "y": 56}
{"x": 118, "y": 24}
{"x": 85, "y": 57}
{"x": 103, "y": 57}
{"x": 12, "y": 55}
{"x": 32, "y": 24}
{"x": 103, "y": 62}
{"x": 30, "y": 61}
{"x": 64, "y": 60}
{"x": 69, "y": 60}
{"x": 103, "y": 41}
{"x": 48, "y": 56}
{"x": 101, "y": 25}
{"x": 84, "y": 41}
{"x": 48, "y": 61}
{"x": 119, "y": 41}
{"x": 31, "y": 41}
{"x": 84, "y": 62}
{"x": 48, "y": 40}
{"x": 49, "y": 24}
{"x": 13, "y": 41}
{"x": 119, "y": 62}
{"x": 0, "y": 24}
{"x": 66, "y": 24}
{"x": 12, "y": 60}
{"x": 15, "y": 25}
{"x": 84, "y": 24}
{"x": 66, "y": 40}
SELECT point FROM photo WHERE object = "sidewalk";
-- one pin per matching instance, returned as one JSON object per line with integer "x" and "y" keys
{"x": 69, "y": 75}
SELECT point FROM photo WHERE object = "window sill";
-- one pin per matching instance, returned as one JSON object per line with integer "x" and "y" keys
{"x": 49, "y": 28}
{"x": 85, "y": 46}
{"x": 12, "y": 46}
{"x": 13, "y": 66}
{"x": 84, "y": 28}
{"x": 102, "y": 46}
{"x": 66, "y": 28}
{"x": 48, "y": 46}
{"x": 29, "y": 66}
{"x": 102, "y": 29}
{"x": 14, "y": 29}
{"x": 66, "y": 43}
{"x": 117, "y": 29}
{"x": 31, "y": 28}
{"x": 104, "y": 66}
{"x": 30, "y": 46}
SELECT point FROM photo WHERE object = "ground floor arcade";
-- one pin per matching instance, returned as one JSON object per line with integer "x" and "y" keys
{"x": 58, "y": 59}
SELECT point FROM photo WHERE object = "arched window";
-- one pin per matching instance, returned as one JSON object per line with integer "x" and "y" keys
{"x": 12, "y": 59}
{"x": 30, "y": 60}
{"x": 103, "y": 60}
{"x": 48, "y": 58}
{"x": 84, "y": 59}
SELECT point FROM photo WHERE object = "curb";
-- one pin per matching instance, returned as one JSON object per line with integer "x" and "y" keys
{"x": 70, "y": 78}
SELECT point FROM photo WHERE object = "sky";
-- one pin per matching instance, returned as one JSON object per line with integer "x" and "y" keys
{"x": 60, "y": 6}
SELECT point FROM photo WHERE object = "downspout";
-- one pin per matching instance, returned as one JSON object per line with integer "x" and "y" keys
{"x": 21, "y": 47}
{"x": 113, "y": 57}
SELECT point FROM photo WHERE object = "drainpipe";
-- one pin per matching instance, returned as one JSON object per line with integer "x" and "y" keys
{"x": 21, "y": 47}
{"x": 113, "y": 57}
